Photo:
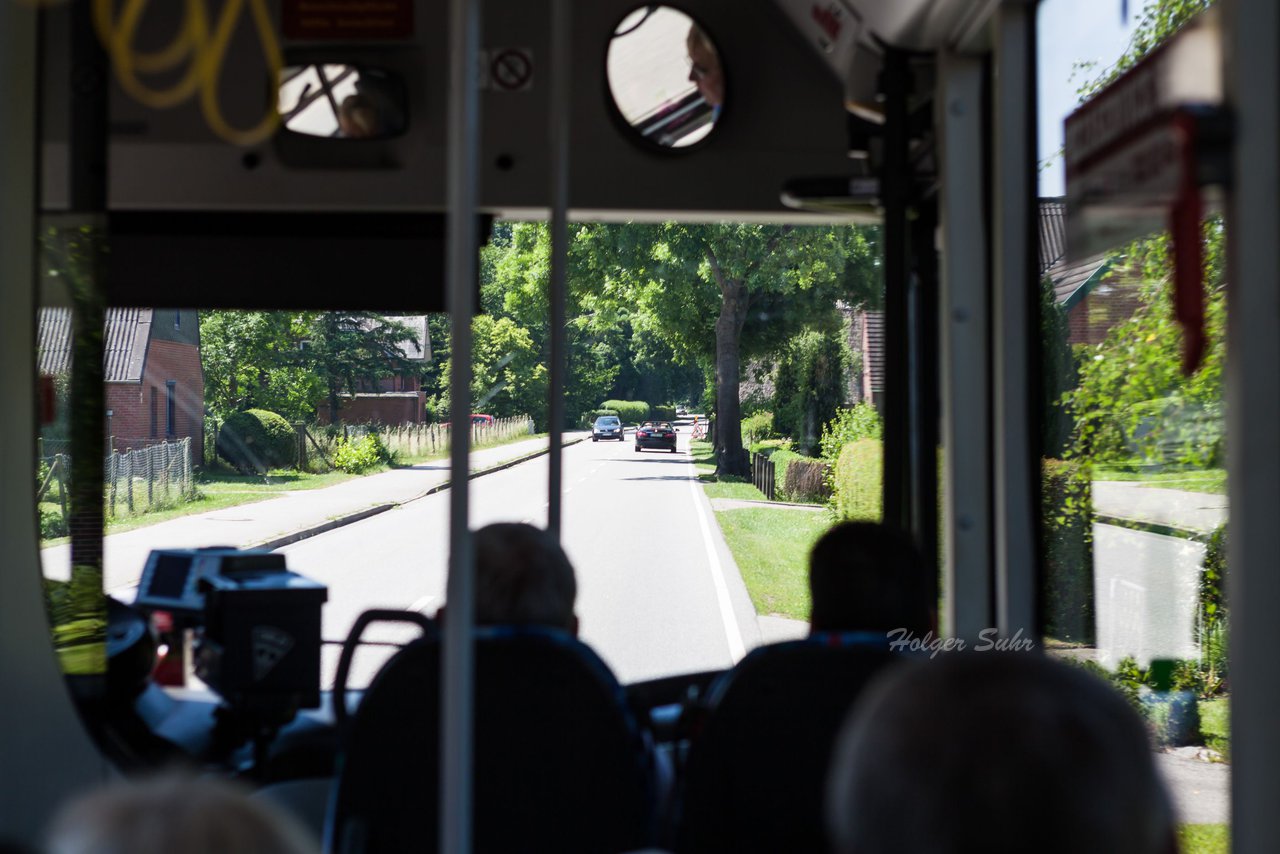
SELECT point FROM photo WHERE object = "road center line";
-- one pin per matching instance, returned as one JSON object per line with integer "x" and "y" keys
{"x": 732, "y": 633}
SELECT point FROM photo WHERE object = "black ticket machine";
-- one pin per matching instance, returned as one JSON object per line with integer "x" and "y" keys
{"x": 256, "y": 625}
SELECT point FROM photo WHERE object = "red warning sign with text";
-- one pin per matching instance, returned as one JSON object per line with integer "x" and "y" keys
{"x": 329, "y": 20}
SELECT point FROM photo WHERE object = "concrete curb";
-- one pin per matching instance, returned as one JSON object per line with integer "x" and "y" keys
{"x": 1152, "y": 527}
{"x": 360, "y": 515}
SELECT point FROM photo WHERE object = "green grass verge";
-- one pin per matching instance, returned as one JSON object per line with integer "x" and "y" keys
{"x": 1215, "y": 724}
{"x": 1204, "y": 839}
{"x": 219, "y": 489}
{"x": 1205, "y": 480}
{"x": 771, "y": 547}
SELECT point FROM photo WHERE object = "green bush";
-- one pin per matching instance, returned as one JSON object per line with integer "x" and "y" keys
{"x": 861, "y": 421}
{"x": 630, "y": 411}
{"x": 1066, "y": 519}
{"x": 589, "y": 417}
{"x": 858, "y": 478}
{"x": 756, "y": 427}
{"x": 257, "y": 440}
{"x": 52, "y": 523}
{"x": 358, "y": 455}
{"x": 663, "y": 413}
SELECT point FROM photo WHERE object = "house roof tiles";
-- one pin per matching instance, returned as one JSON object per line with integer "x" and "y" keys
{"x": 124, "y": 343}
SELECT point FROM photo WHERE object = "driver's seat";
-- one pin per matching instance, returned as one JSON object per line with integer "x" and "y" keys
{"x": 559, "y": 764}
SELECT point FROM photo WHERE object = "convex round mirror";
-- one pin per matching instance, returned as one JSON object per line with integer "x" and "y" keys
{"x": 342, "y": 101}
{"x": 665, "y": 76}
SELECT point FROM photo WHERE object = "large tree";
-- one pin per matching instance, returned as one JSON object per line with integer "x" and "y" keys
{"x": 722, "y": 293}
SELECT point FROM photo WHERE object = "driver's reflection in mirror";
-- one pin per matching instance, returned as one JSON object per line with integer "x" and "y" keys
{"x": 704, "y": 68}
{"x": 358, "y": 118}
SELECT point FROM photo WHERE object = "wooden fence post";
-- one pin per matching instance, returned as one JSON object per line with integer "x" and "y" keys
{"x": 61, "y": 462}
{"x": 128, "y": 472}
{"x": 147, "y": 468}
{"x": 111, "y": 475}
{"x": 300, "y": 430}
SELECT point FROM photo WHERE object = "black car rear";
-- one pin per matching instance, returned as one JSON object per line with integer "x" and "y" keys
{"x": 660, "y": 435}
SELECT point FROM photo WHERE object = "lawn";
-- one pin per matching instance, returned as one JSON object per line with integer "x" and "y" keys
{"x": 720, "y": 487}
{"x": 1215, "y": 717}
{"x": 219, "y": 489}
{"x": 1199, "y": 480}
{"x": 1204, "y": 839}
{"x": 771, "y": 547}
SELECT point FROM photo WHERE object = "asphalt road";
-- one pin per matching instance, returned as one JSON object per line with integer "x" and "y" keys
{"x": 658, "y": 592}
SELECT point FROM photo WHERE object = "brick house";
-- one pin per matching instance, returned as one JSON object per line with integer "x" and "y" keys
{"x": 151, "y": 367}
{"x": 396, "y": 399}
{"x": 1094, "y": 301}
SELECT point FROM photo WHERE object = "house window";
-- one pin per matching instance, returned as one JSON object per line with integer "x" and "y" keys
{"x": 170, "y": 408}
{"x": 153, "y": 412}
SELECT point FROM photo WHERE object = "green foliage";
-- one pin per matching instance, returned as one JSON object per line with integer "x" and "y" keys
{"x": 663, "y": 413}
{"x": 1133, "y": 399}
{"x": 257, "y": 440}
{"x": 860, "y": 421}
{"x": 858, "y": 479}
{"x": 359, "y": 455}
{"x": 52, "y": 522}
{"x": 1058, "y": 373}
{"x": 630, "y": 411}
{"x": 1160, "y": 19}
{"x": 508, "y": 374}
{"x": 1066, "y": 520}
{"x": 757, "y": 426}
{"x": 810, "y": 386}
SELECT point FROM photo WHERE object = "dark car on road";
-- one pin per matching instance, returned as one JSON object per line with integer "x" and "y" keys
{"x": 656, "y": 434}
{"x": 607, "y": 427}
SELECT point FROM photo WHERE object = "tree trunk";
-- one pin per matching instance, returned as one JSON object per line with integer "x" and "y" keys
{"x": 731, "y": 457}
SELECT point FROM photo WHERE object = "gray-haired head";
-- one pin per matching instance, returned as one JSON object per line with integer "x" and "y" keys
{"x": 995, "y": 752}
{"x": 523, "y": 577}
{"x": 168, "y": 814}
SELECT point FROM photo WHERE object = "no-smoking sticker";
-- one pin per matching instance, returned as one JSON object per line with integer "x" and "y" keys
{"x": 510, "y": 69}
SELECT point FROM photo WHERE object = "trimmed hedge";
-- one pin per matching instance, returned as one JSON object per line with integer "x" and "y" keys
{"x": 859, "y": 474}
{"x": 663, "y": 413}
{"x": 1066, "y": 518}
{"x": 257, "y": 440}
{"x": 630, "y": 411}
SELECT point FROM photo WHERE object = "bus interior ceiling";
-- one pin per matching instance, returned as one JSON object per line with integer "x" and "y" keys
{"x": 916, "y": 114}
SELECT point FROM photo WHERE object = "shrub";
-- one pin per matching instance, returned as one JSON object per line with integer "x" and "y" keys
{"x": 630, "y": 411}
{"x": 756, "y": 427}
{"x": 52, "y": 523}
{"x": 357, "y": 455}
{"x": 257, "y": 440}
{"x": 861, "y": 421}
{"x": 806, "y": 480}
{"x": 1066, "y": 519}
{"x": 858, "y": 478}
{"x": 663, "y": 413}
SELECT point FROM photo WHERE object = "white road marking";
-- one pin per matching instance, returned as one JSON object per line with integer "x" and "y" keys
{"x": 421, "y": 604}
{"x": 732, "y": 633}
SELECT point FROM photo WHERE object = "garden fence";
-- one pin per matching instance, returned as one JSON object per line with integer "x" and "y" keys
{"x": 762, "y": 475}
{"x": 137, "y": 480}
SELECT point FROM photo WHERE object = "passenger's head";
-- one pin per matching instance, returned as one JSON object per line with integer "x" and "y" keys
{"x": 995, "y": 752}
{"x": 704, "y": 66}
{"x": 171, "y": 814}
{"x": 523, "y": 577}
{"x": 865, "y": 577}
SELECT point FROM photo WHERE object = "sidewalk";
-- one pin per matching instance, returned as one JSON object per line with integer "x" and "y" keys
{"x": 1195, "y": 513}
{"x": 292, "y": 517}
